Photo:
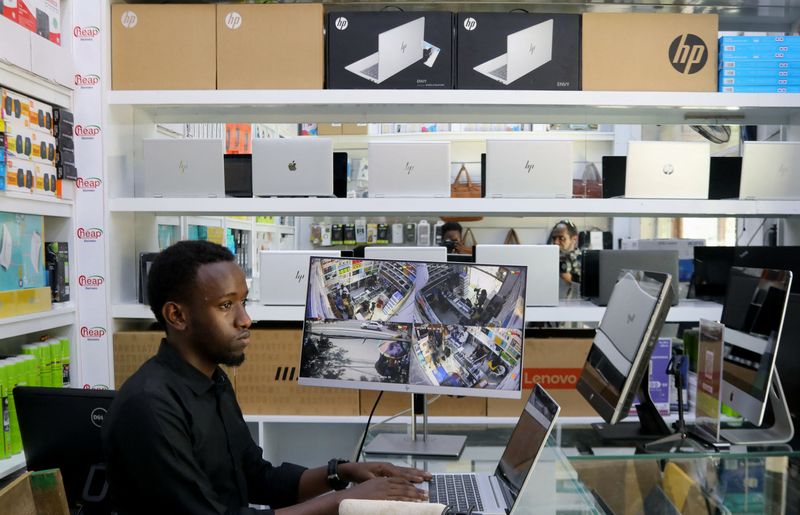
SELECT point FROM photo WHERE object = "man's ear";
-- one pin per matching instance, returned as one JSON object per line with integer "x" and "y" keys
{"x": 174, "y": 315}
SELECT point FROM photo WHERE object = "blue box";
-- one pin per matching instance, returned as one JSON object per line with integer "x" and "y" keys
{"x": 758, "y": 65}
{"x": 758, "y": 53}
{"x": 22, "y": 252}
{"x": 780, "y": 73}
{"x": 758, "y": 81}
{"x": 659, "y": 380}
{"x": 759, "y": 89}
{"x": 759, "y": 40}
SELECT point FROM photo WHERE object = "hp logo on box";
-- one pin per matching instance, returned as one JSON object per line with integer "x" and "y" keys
{"x": 688, "y": 54}
{"x": 129, "y": 19}
{"x": 233, "y": 20}
{"x": 341, "y": 23}
{"x": 470, "y": 24}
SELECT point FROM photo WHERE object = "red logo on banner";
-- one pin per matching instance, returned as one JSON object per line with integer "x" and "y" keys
{"x": 86, "y": 81}
{"x": 85, "y": 33}
{"x": 91, "y": 282}
{"x": 92, "y": 333}
{"x": 95, "y": 387}
{"x": 89, "y": 234}
{"x": 87, "y": 131}
{"x": 88, "y": 183}
{"x": 551, "y": 378}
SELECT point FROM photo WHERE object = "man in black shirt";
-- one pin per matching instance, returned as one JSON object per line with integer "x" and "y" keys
{"x": 175, "y": 439}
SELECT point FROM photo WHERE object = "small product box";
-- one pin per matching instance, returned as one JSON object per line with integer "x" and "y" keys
{"x": 46, "y": 180}
{"x": 26, "y": 143}
{"x": 57, "y": 263}
{"x": 20, "y": 175}
{"x": 20, "y": 109}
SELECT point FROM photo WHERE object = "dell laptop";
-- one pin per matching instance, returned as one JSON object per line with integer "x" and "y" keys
{"x": 284, "y": 275}
{"x": 496, "y": 494}
{"x": 528, "y": 169}
{"x": 398, "y": 49}
{"x": 182, "y": 168}
{"x": 542, "y": 263}
{"x": 667, "y": 169}
{"x": 409, "y": 169}
{"x": 770, "y": 170}
{"x": 293, "y": 167}
{"x": 526, "y": 50}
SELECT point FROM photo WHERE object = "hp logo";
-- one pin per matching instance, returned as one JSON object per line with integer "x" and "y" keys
{"x": 668, "y": 169}
{"x": 470, "y": 24}
{"x": 129, "y": 19}
{"x": 341, "y": 23}
{"x": 233, "y": 20}
{"x": 688, "y": 54}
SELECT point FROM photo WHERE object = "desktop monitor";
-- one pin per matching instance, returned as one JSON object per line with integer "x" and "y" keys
{"x": 60, "y": 428}
{"x": 414, "y": 326}
{"x": 620, "y": 354}
{"x": 753, "y": 315}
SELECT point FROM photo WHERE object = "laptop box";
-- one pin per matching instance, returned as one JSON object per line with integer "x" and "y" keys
{"x": 403, "y": 50}
{"x": 542, "y": 263}
{"x": 542, "y": 51}
{"x": 284, "y": 275}
{"x": 409, "y": 169}
{"x": 293, "y": 167}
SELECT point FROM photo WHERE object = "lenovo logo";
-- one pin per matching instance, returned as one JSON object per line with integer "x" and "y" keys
{"x": 285, "y": 373}
{"x": 551, "y": 378}
{"x": 688, "y": 54}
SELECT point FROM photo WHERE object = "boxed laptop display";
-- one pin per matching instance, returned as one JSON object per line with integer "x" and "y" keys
{"x": 390, "y": 50}
{"x": 518, "y": 51}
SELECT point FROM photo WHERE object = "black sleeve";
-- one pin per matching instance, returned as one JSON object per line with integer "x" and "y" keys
{"x": 151, "y": 443}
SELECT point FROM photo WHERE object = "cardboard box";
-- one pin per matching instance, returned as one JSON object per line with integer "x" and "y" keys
{"x": 556, "y": 364}
{"x": 24, "y": 302}
{"x": 57, "y": 263}
{"x": 660, "y": 52}
{"x": 408, "y": 62}
{"x": 35, "y": 493}
{"x": 278, "y": 46}
{"x": 445, "y": 406}
{"x": 547, "y": 54}
{"x": 266, "y": 383}
{"x": 355, "y": 129}
{"x": 329, "y": 129}
{"x": 164, "y": 47}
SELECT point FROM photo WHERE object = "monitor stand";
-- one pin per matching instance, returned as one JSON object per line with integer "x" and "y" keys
{"x": 417, "y": 445}
{"x": 781, "y": 431}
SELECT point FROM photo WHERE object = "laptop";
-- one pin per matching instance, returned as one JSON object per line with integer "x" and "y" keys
{"x": 667, "y": 169}
{"x": 770, "y": 170}
{"x": 407, "y": 253}
{"x": 409, "y": 169}
{"x": 288, "y": 167}
{"x": 526, "y": 50}
{"x": 398, "y": 48}
{"x": 542, "y": 263}
{"x": 613, "y": 262}
{"x": 284, "y": 275}
{"x": 496, "y": 494}
{"x": 183, "y": 168}
{"x": 528, "y": 169}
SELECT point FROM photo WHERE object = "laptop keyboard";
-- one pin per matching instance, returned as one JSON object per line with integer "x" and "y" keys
{"x": 457, "y": 490}
{"x": 372, "y": 71}
{"x": 501, "y": 72}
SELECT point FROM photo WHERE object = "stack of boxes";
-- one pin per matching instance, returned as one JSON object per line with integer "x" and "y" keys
{"x": 23, "y": 276}
{"x": 759, "y": 64}
{"x": 63, "y": 128}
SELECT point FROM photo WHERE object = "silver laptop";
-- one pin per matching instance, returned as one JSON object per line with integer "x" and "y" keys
{"x": 407, "y": 253}
{"x": 495, "y": 494}
{"x": 770, "y": 170}
{"x": 528, "y": 169}
{"x": 182, "y": 168}
{"x": 613, "y": 262}
{"x": 667, "y": 169}
{"x": 542, "y": 263}
{"x": 284, "y": 275}
{"x": 293, "y": 167}
{"x": 526, "y": 50}
{"x": 398, "y": 49}
{"x": 409, "y": 169}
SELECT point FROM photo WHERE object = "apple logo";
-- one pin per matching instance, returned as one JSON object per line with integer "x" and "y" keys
{"x": 292, "y": 166}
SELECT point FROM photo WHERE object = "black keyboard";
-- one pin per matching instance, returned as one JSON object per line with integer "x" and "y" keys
{"x": 457, "y": 490}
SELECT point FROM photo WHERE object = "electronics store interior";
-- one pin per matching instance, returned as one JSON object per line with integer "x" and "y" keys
{"x": 363, "y": 257}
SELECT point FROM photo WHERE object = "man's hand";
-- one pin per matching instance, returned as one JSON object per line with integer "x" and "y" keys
{"x": 385, "y": 489}
{"x": 364, "y": 471}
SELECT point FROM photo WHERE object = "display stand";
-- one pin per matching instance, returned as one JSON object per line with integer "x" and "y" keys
{"x": 413, "y": 444}
{"x": 782, "y": 429}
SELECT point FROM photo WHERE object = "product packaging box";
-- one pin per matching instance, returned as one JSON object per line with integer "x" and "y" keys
{"x": 760, "y": 89}
{"x": 24, "y": 302}
{"x": 555, "y": 360}
{"x": 684, "y": 246}
{"x": 21, "y": 252}
{"x": 518, "y": 51}
{"x": 390, "y": 50}
{"x": 272, "y": 46}
{"x": 19, "y": 175}
{"x": 328, "y": 129}
{"x": 660, "y": 52}
{"x": 22, "y": 110}
{"x": 771, "y": 73}
{"x": 445, "y": 406}
{"x": 775, "y": 81}
{"x": 753, "y": 65}
{"x": 164, "y": 47}
{"x": 659, "y": 385}
{"x": 25, "y": 143}
{"x": 46, "y": 182}
{"x": 57, "y": 263}
{"x": 41, "y": 17}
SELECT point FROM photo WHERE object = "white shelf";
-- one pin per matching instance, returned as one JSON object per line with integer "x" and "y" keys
{"x": 280, "y": 229}
{"x": 360, "y": 141}
{"x": 458, "y": 206}
{"x": 257, "y": 312}
{"x": 26, "y": 203}
{"x": 292, "y": 106}
{"x": 10, "y": 465}
{"x": 32, "y": 85}
{"x": 59, "y": 316}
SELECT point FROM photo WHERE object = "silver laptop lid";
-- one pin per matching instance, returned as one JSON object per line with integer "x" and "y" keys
{"x": 407, "y": 253}
{"x": 409, "y": 169}
{"x": 400, "y": 47}
{"x": 528, "y": 169}
{"x": 770, "y": 170}
{"x": 529, "y": 49}
{"x": 293, "y": 167}
{"x": 183, "y": 168}
{"x": 284, "y": 275}
{"x": 542, "y": 263}
{"x": 667, "y": 169}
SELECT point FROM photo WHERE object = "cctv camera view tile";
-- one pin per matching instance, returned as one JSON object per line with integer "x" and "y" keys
{"x": 414, "y": 323}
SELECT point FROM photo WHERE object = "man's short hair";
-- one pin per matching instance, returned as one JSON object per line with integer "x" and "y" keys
{"x": 452, "y": 226}
{"x": 174, "y": 271}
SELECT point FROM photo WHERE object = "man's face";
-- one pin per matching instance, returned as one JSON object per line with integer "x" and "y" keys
{"x": 562, "y": 238}
{"x": 452, "y": 235}
{"x": 217, "y": 322}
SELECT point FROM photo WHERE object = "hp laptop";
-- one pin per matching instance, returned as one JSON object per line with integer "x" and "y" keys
{"x": 398, "y": 49}
{"x": 526, "y": 50}
{"x": 542, "y": 263}
{"x": 613, "y": 262}
{"x": 528, "y": 169}
{"x": 183, "y": 168}
{"x": 284, "y": 275}
{"x": 407, "y": 253}
{"x": 409, "y": 169}
{"x": 770, "y": 170}
{"x": 496, "y": 494}
{"x": 667, "y": 169}
{"x": 293, "y": 167}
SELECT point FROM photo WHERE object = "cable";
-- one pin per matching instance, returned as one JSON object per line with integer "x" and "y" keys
{"x": 366, "y": 428}
{"x": 755, "y": 232}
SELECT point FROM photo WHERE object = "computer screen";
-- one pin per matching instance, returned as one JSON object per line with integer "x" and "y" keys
{"x": 60, "y": 428}
{"x": 414, "y": 326}
{"x": 620, "y": 353}
{"x": 753, "y": 316}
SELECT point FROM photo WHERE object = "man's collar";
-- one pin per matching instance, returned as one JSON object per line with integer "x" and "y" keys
{"x": 196, "y": 380}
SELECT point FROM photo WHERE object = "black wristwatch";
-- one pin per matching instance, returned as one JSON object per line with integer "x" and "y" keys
{"x": 334, "y": 481}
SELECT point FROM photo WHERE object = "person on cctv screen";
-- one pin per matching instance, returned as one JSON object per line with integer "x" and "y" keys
{"x": 452, "y": 238}
{"x": 565, "y": 235}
